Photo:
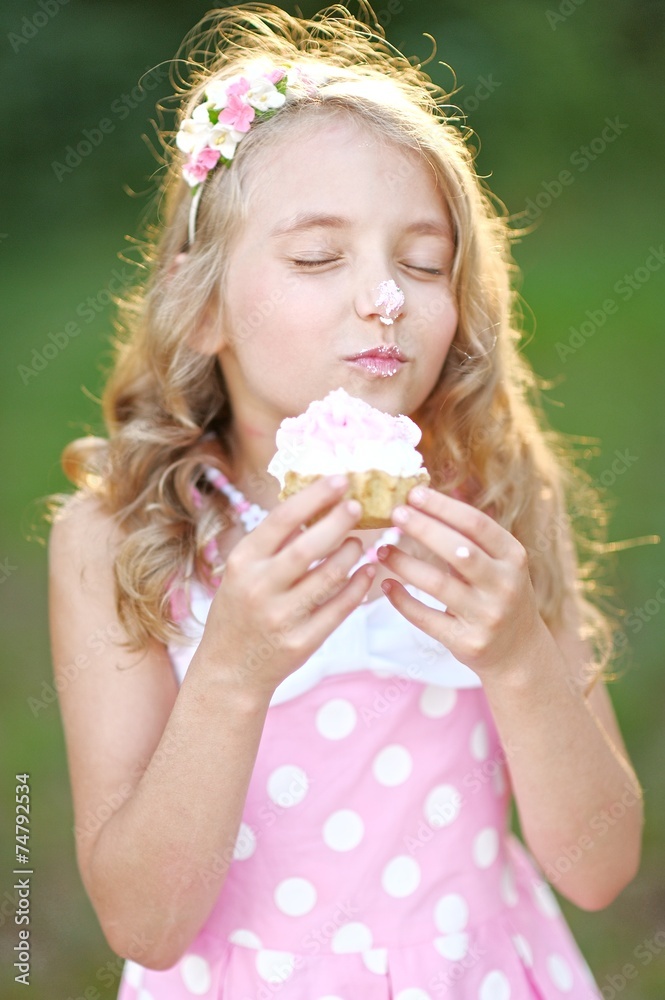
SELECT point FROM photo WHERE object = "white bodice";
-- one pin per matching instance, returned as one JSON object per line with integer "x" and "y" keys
{"x": 374, "y": 636}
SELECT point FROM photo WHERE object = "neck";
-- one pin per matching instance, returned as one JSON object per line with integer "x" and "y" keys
{"x": 251, "y": 451}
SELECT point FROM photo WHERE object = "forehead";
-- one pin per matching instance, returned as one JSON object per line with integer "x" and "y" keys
{"x": 338, "y": 166}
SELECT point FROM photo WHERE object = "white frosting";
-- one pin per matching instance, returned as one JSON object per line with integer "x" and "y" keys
{"x": 342, "y": 433}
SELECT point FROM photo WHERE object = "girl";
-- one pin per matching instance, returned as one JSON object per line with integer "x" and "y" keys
{"x": 300, "y": 786}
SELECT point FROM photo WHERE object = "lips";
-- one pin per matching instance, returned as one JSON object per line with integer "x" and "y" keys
{"x": 383, "y": 351}
{"x": 378, "y": 362}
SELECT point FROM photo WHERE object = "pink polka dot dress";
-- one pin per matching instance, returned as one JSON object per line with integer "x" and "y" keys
{"x": 374, "y": 860}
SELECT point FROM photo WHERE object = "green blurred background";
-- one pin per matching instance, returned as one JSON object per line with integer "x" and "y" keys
{"x": 540, "y": 84}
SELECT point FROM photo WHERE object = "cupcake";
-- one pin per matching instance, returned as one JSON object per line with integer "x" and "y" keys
{"x": 344, "y": 434}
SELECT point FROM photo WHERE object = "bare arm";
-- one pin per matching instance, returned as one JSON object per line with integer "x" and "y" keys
{"x": 160, "y": 775}
{"x": 579, "y": 800}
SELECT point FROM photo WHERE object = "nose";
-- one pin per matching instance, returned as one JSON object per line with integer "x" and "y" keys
{"x": 380, "y": 297}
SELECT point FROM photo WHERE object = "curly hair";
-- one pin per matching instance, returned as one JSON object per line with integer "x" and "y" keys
{"x": 484, "y": 430}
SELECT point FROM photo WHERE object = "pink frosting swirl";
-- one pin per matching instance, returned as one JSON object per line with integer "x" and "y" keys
{"x": 341, "y": 418}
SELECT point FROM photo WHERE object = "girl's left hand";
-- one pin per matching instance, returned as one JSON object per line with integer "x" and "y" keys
{"x": 491, "y": 622}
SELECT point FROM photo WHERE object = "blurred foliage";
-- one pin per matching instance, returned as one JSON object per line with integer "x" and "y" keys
{"x": 550, "y": 81}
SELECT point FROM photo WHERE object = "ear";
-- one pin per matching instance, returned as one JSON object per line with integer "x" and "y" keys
{"x": 206, "y": 338}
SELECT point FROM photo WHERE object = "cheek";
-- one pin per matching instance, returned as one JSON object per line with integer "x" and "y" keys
{"x": 433, "y": 327}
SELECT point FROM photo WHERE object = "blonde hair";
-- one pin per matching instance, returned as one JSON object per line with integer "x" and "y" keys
{"x": 484, "y": 431}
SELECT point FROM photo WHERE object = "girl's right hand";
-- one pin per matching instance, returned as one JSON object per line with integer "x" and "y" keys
{"x": 271, "y": 611}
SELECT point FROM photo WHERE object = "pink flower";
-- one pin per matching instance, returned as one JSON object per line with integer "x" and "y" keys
{"x": 238, "y": 88}
{"x": 198, "y": 166}
{"x": 237, "y": 113}
{"x": 275, "y": 75}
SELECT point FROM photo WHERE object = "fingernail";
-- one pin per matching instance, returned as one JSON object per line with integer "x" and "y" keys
{"x": 417, "y": 495}
{"x": 336, "y": 482}
{"x": 354, "y": 507}
{"x": 382, "y": 552}
{"x": 401, "y": 514}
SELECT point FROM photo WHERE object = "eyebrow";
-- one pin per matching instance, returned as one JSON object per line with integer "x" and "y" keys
{"x": 310, "y": 220}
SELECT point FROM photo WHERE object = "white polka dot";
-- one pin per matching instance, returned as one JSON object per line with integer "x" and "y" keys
{"x": 401, "y": 876}
{"x": 245, "y": 938}
{"x": 393, "y": 765}
{"x": 376, "y": 960}
{"x": 451, "y": 913}
{"x": 195, "y": 973}
{"x": 133, "y": 973}
{"x": 545, "y": 899}
{"x": 245, "y": 843}
{"x": 295, "y": 896}
{"x": 494, "y": 986}
{"x": 336, "y": 719}
{"x": 479, "y": 741}
{"x": 413, "y": 993}
{"x": 560, "y": 972}
{"x": 485, "y": 847}
{"x": 352, "y": 937}
{"x": 275, "y": 966}
{"x": 287, "y": 785}
{"x": 437, "y": 701}
{"x": 343, "y": 830}
{"x": 145, "y": 995}
{"x": 442, "y": 806}
{"x": 523, "y": 949}
{"x": 452, "y": 946}
{"x": 499, "y": 780}
{"x": 508, "y": 890}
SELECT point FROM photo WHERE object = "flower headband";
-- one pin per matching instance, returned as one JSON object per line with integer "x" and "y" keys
{"x": 225, "y": 116}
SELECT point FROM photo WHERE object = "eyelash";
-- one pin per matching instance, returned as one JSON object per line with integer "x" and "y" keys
{"x": 316, "y": 263}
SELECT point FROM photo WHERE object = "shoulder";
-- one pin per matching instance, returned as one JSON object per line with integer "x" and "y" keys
{"x": 84, "y": 534}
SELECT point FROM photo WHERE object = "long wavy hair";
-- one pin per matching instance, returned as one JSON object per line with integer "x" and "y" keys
{"x": 484, "y": 430}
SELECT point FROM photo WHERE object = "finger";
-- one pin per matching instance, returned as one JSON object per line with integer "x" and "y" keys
{"x": 440, "y": 625}
{"x": 325, "y": 619}
{"x": 315, "y": 543}
{"x": 287, "y": 517}
{"x": 451, "y": 591}
{"x": 321, "y": 583}
{"x": 468, "y": 559}
{"x": 474, "y": 524}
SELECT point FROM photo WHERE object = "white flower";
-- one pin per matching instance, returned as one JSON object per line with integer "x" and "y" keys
{"x": 225, "y": 138}
{"x": 193, "y": 136}
{"x": 216, "y": 91}
{"x": 263, "y": 95}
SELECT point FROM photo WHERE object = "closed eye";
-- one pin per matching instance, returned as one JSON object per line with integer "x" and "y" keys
{"x": 313, "y": 263}
{"x": 318, "y": 263}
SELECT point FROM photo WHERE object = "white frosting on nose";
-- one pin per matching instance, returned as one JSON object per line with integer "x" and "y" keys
{"x": 390, "y": 296}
